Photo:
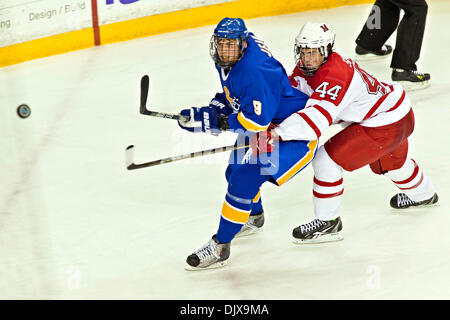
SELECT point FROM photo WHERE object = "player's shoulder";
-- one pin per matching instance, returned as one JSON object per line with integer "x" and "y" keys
{"x": 256, "y": 65}
{"x": 253, "y": 50}
{"x": 335, "y": 69}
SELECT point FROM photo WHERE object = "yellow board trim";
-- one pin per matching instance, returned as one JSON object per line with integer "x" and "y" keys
{"x": 211, "y": 15}
{"x": 300, "y": 164}
{"x": 161, "y": 23}
{"x": 48, "y": 46}
{"x": 233, "y": 214}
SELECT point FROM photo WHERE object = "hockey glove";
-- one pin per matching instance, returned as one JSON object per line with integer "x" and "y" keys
{"x": 210, "y": 120}
{"x": 204, "y": 119}
{"x": 220, "y": 102}
{"x": 265, "y": 141}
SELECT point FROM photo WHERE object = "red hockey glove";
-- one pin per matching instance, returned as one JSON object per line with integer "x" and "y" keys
{"x": 264, "y": 142}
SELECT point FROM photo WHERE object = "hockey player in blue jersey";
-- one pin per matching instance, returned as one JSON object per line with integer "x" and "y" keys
{"x": 256, "y": 94}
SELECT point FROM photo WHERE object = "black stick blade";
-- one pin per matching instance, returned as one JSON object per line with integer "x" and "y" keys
{"x": 145, "y": 81}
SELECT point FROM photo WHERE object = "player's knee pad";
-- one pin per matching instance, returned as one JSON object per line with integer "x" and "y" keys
{"x": 324, "y": 167}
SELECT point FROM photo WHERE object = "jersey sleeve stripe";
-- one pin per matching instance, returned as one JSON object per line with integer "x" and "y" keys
{"x": 399, "y": 102}
{"x": 325, "y": 113}
{"x": 249, "y": 124}
{"x": 310, "y": 123}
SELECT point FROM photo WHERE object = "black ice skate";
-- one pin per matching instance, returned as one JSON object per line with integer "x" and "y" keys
{"x": 212, "y": 255}
{"x": 363, "y": 54}
{"x": 411, "y": 79}
{"x": 401, "y": 201}
{"x": 318, "y": 231}
{"x": 253, "y": 225}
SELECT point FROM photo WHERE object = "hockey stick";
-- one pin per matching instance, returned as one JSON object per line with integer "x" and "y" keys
{"x": 145, "y": 80}
{"x": 129, "y": 156}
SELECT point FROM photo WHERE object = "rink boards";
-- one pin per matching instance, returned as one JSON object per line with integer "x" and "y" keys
{"x": 40, "y": 28}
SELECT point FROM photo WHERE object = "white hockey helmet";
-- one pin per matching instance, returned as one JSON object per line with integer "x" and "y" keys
{"x": 313, "y": 35}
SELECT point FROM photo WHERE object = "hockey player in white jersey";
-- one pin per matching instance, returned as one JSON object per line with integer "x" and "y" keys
{"x": 378, "y": 120}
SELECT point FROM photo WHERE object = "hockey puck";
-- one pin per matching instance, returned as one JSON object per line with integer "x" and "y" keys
{"x": 23, "y": 111}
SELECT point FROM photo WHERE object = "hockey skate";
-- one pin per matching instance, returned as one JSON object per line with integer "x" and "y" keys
{"x": 401, "y": 201}
{"x": 367, "y": 55}
{"x": 318, "y": 231}
{"x": 253, "y": 225}
{"x": 410, "y": 79}
{"x": 212, "y": 255}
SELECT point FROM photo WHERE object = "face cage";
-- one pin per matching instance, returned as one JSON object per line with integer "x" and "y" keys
{"x": 299, "y": 62}
{"x": 215, "y": 56}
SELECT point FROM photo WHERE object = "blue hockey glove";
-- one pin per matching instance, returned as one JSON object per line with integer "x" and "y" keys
{"x": 219, "y": 101}
{"x": 206, "y": 119}
{"x": 210, "y": 120}
{"x": 194, "y": 122}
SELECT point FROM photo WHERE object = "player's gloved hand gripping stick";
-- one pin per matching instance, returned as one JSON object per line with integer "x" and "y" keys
{"x": 129, "y": 152}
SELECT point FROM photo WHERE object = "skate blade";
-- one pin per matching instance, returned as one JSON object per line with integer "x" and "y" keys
{"x": 370, "y": 57}
{"x": 216, "y": 265}
{"x": 414, "y": 86}
{"x": 422, "y": 206}
{"x": 321, "y": 239}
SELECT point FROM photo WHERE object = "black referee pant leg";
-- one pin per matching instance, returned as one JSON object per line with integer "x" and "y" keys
{"x": 380, "y": 25}
{"x": 409, "y": 34}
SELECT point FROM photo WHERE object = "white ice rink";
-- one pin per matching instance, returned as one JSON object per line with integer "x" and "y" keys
{"x": 75, "y": 224}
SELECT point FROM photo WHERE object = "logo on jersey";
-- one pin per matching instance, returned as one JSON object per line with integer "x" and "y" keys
{"x": 324, "y": 28}
{"x": 233, "y": 102}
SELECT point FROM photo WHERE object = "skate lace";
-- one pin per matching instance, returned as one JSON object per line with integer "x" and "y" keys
{"x": 207, "y": 250}
{"x": 312, "y": 225}
{"x": 404, "y": 200}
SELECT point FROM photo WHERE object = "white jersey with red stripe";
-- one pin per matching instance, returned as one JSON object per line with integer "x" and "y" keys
{"x": 340, "y": 91}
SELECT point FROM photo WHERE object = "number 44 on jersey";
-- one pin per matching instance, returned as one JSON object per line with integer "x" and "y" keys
{"x": 324, "y": 91}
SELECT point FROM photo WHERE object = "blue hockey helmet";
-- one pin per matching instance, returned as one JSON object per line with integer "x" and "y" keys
{"x": 228, "y": 28}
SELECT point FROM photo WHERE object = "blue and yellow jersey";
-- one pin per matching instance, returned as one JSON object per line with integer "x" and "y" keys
{"x": 258, "y": 90}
